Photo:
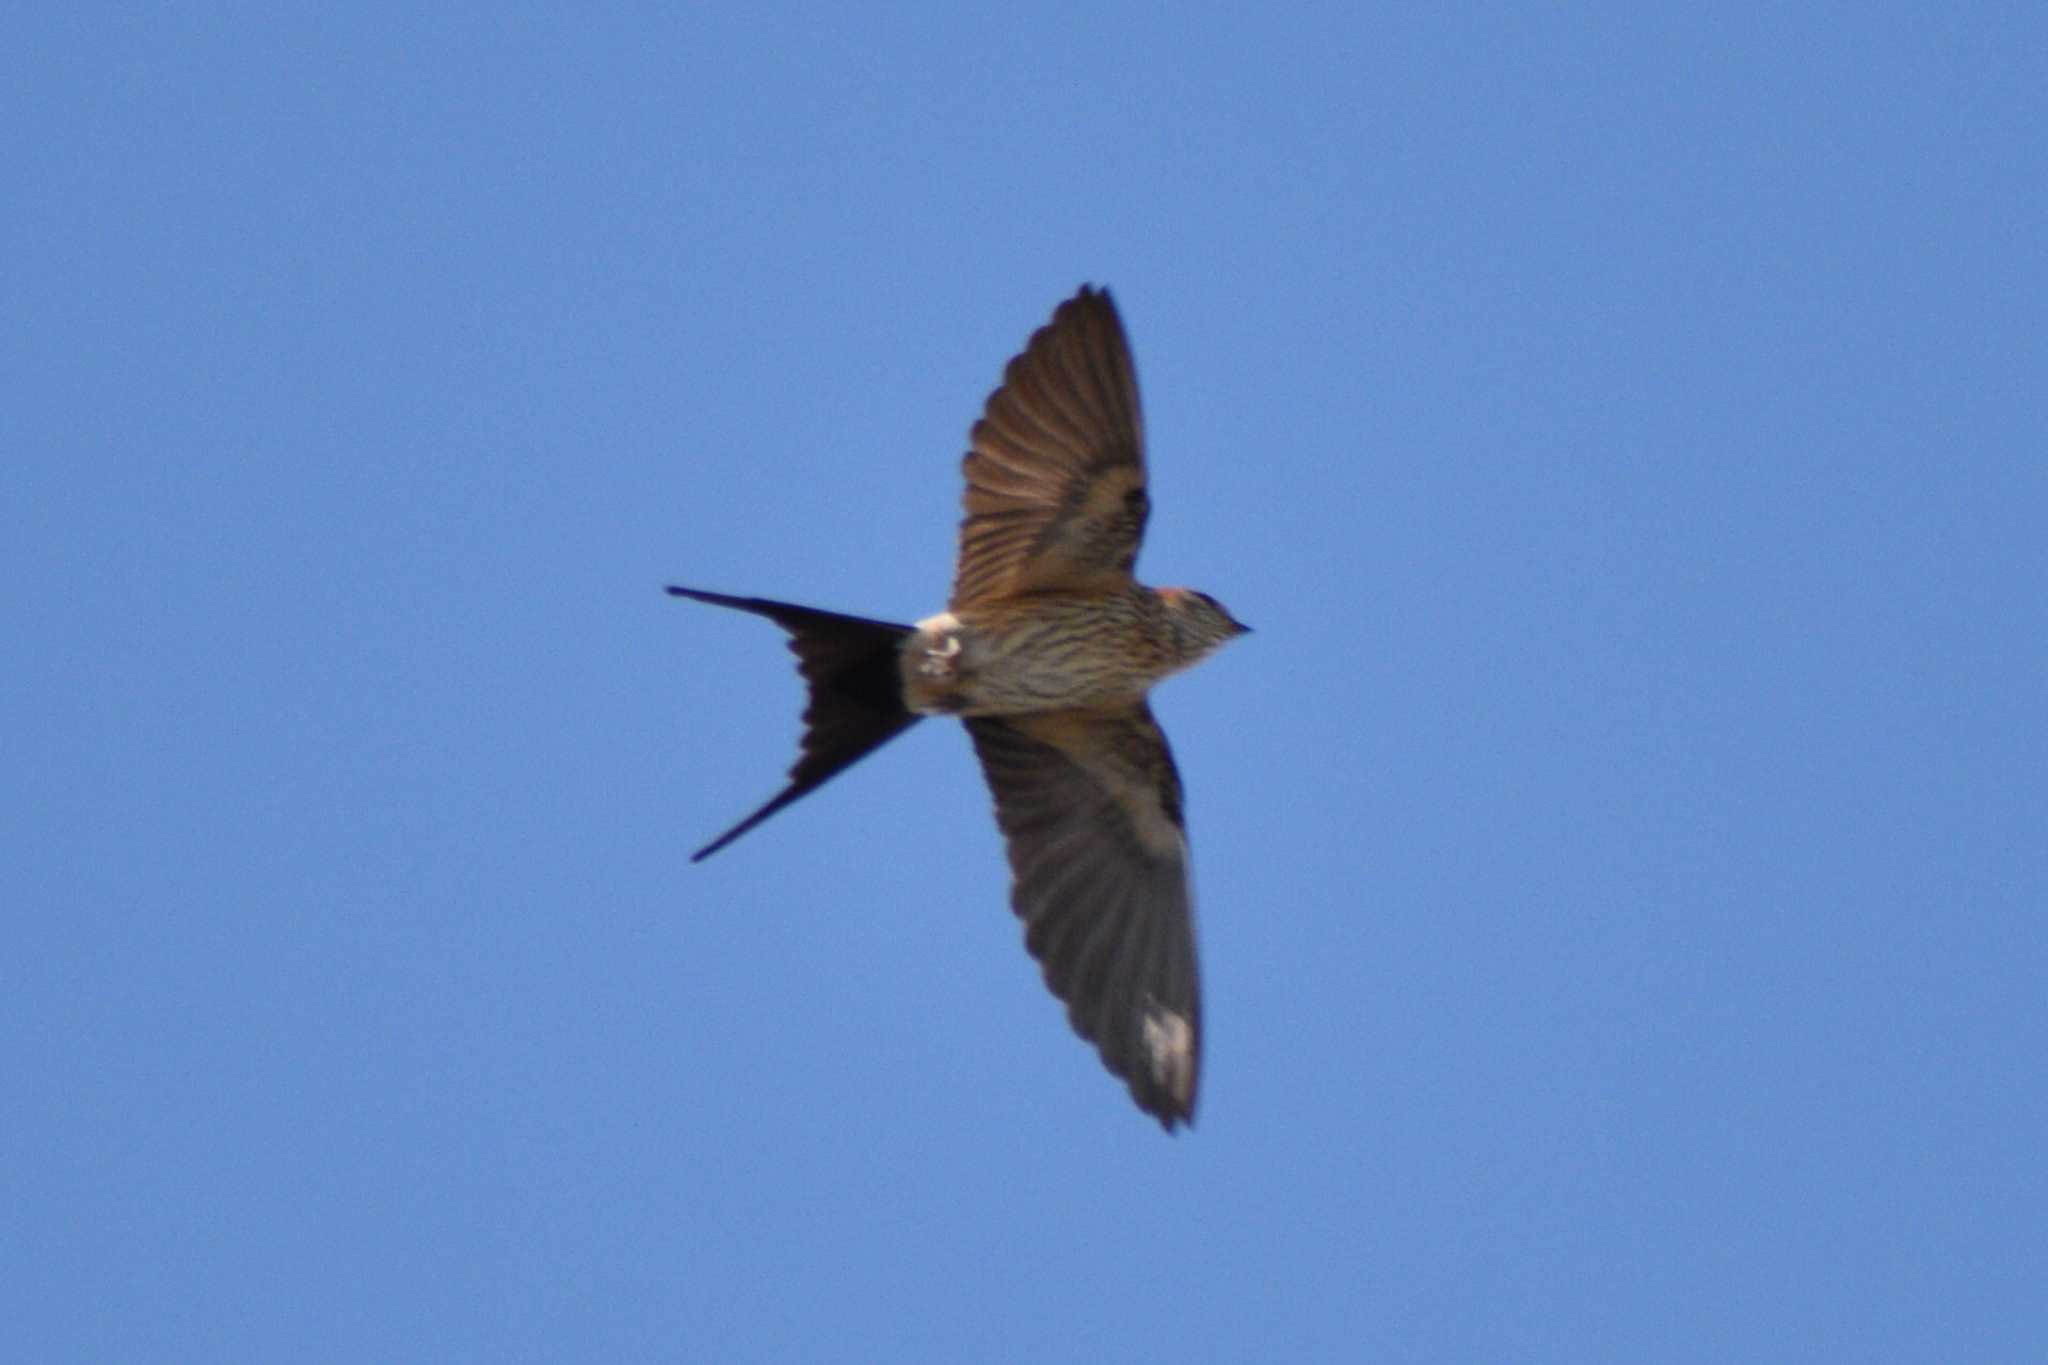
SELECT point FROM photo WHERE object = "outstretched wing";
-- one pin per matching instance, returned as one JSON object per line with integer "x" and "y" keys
{"x": 1090, "y": 804}
{"x": 1056, "y": 466}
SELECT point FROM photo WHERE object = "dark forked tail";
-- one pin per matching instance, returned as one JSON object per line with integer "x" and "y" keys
{"x": 856, "y": 694}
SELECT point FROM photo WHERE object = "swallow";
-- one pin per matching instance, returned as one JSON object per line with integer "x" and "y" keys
{"x": 1047, "y": 651}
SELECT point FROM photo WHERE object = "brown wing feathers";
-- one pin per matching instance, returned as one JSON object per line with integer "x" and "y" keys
{"x": 1101, "y": 886}
{"x": 1056, "y": 470}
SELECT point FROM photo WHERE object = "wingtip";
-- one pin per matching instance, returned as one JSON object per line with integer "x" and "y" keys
{"x": 1093, "y": 293}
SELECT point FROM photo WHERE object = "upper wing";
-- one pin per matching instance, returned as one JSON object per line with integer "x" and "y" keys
{"x": 1056, "y": 466}
{"x": 1090, "y": 805}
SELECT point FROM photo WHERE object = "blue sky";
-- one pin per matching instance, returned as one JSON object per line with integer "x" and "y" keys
{"x": 1620, "y": 851}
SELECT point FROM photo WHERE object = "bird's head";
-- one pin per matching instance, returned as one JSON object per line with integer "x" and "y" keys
{"x": 1201, "y": 623}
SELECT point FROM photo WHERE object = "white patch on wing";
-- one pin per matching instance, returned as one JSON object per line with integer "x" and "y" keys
{"x": 1171, "y": 1043}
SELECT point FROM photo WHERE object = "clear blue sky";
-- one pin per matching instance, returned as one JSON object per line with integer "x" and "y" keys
{"x": 1621, "y": 852}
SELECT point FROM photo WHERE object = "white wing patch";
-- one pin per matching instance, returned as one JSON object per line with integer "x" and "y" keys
{"x": 1170, "y": 1042}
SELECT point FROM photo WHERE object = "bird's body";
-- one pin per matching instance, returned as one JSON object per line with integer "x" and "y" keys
{"x": 1047, "y": 651}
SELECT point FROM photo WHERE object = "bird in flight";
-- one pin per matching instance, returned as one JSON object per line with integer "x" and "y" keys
{"x": 1046, "y": 651}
